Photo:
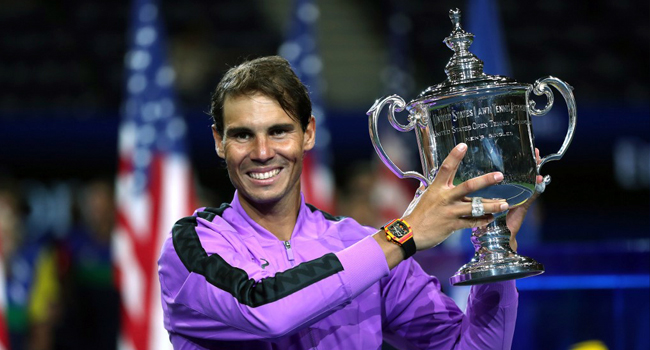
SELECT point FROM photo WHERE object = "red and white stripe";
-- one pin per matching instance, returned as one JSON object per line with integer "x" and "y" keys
{"x": 143, "y": 222}
{"x": 317, "y": 184}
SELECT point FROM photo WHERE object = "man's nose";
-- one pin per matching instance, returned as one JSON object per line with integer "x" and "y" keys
{"x": 262, "y": 149}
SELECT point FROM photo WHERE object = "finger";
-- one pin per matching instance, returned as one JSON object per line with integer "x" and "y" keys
{"x": 450, "y": 165}
{"x": 477, "y": 183}
{"x": 484, "y": 200}
{"x": 538, "y": 178}
{"x": 465, "y": 209}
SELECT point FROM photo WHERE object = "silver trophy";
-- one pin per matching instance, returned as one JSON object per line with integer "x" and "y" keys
{"x": 491, "y": 114}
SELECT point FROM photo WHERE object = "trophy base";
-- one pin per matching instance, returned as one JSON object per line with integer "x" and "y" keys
{"x": 494, "y": 260}
{"x": 479, "y": 271}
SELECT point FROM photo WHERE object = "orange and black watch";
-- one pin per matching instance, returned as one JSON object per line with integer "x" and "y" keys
{"x": 399, "y": 232}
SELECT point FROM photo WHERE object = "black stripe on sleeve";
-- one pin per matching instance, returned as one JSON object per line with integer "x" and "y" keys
{"x": 236, "y": 281}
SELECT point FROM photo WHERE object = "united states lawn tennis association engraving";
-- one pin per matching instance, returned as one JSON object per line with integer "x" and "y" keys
{"x": 492, "y": 121}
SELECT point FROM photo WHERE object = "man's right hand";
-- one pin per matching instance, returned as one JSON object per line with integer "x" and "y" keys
{"x": 444, "y": 208}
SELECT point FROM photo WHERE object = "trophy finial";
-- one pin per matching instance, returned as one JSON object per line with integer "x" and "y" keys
{"x": 454, "y": 15}
{"x": 463, "y": 65}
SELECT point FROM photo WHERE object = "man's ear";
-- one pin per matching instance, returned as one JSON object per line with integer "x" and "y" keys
{"x": 310, "y": 135}
{"x": 218, "y": 142}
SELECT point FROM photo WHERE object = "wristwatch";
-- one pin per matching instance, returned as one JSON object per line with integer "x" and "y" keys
{"x": 399, "y": 232}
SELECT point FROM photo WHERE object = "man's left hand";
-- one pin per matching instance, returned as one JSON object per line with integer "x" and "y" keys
{"x": 515, "y": 216}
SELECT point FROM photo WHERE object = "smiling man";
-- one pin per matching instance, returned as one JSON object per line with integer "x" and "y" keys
{"x": 269, "y": 271}
{"x": 263, "y": 147}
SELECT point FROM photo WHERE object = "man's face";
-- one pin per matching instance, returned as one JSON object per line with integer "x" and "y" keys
{"x": 263, "y": 148}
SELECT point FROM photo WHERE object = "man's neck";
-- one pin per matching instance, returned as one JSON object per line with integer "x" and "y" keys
{"x": 278, "y": 218}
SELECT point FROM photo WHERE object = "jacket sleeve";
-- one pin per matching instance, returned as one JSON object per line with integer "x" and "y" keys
{"x": 221, "y": 295}
{"x": 419, "y": 316}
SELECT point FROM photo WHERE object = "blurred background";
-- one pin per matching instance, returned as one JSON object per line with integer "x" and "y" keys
{"x": 78, "y": 157}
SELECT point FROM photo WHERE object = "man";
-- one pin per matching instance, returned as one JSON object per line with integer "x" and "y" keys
{"x": 268, "y": 271}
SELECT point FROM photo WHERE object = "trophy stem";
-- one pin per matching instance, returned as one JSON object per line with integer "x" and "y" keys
{"x": 494, "y": 259}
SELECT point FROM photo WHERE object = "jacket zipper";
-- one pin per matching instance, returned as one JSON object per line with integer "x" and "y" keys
{"x": 287, "y": 248}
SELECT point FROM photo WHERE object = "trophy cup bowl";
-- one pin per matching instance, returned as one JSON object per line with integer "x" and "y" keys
{"x": 491, "y": 114}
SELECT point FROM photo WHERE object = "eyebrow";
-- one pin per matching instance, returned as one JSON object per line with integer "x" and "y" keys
{"x": 284, "y": 126}
{"x": 243, "y": 129}
{"x": 236, "y": 130}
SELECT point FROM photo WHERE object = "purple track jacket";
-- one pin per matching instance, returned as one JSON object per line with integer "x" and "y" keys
{"x": 228, "y": 283}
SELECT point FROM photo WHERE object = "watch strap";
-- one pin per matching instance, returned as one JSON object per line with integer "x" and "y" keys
{"x": 409, "y": 248}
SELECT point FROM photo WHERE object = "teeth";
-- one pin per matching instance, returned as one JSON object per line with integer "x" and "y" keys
{"x": 264, "y": 176}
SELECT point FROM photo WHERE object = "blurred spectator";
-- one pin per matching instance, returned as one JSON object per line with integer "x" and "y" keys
{"x": 372, "y": 194}
{"x": 9, "y": 216}
{"x": 32, "y": 281}
{"x": 91, "y": 316}
{"x": 355, "y": 197}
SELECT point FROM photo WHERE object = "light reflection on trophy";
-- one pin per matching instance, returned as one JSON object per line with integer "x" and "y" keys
{"x": 491, "y": 114}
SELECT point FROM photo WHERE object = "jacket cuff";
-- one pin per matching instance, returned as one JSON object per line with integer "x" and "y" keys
{"x": 364, "y": 263}
{"x": 501, "y": 293}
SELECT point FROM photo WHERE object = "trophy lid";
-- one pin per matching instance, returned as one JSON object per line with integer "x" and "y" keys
{"x": 464, "y": 70}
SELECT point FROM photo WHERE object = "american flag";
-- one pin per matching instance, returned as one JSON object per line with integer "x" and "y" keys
{"x": 301, "y": 50}
{"x": 484, "y": 21}
{"x": 154, "y": 181}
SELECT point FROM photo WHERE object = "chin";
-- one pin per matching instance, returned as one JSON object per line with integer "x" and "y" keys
{"x": 269, "y": 195}
{"x": 261, "y": 197}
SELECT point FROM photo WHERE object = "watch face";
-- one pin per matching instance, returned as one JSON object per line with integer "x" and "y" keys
{"x": 399, "y": 229}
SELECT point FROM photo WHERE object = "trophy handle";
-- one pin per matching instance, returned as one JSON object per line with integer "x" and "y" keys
{"x": 541, "y": 87}
{"x": 395, "y": 104}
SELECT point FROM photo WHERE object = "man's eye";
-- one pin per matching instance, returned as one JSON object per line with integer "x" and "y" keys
{"x": 242, "y": 136}
{"x": 278, "y": 132}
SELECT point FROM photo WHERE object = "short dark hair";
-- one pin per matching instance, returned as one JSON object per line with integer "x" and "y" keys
{"x": 271, "y": 76}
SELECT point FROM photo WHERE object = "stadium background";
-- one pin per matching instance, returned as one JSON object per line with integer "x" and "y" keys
{"x": 62, "y": 90}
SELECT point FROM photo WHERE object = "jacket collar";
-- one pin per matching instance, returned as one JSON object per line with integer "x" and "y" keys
{"x": 263, "y": 233}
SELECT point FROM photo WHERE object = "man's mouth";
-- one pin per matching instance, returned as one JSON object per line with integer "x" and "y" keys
{"x": 265, "y": 175}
